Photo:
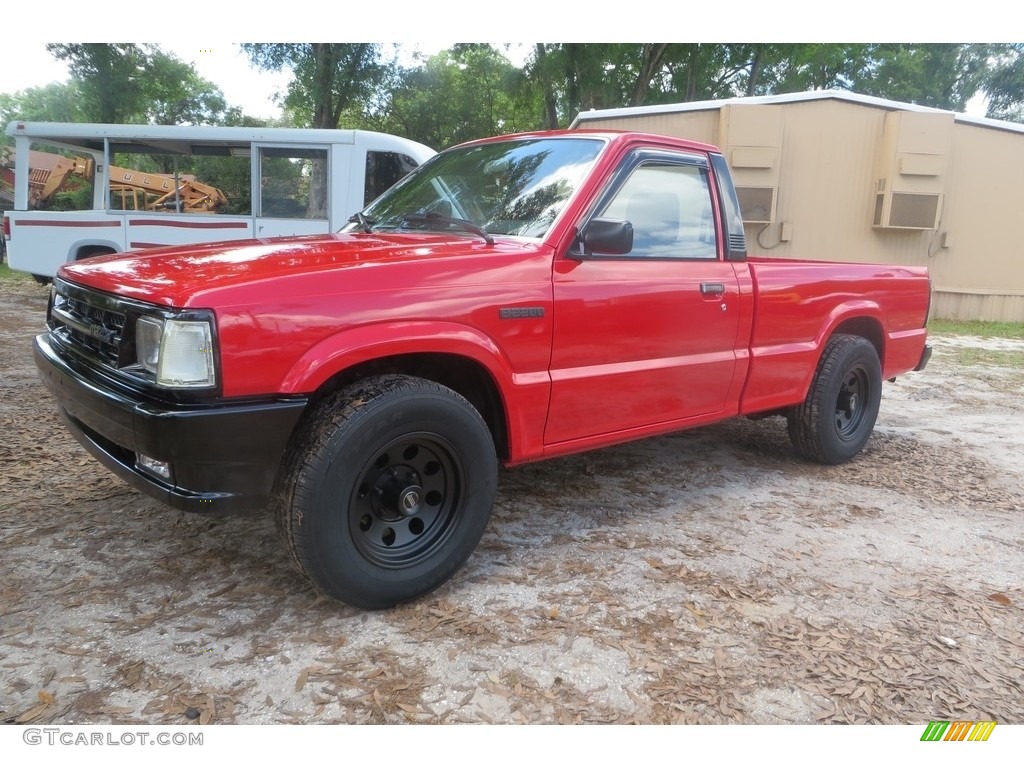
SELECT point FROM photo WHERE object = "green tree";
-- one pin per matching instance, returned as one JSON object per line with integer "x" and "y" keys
{"x": 700, "y": 71}
{"x": 329, "y": 78}
{"x": 795, "y": 67}
{"x": 177, "y": 95}
{"x": 128, "y": 83}
{"x": 1004, "y": 84}
{"x": 940, "y": 75}
{"x": 56, "y": 103}
{"x": 459, "y": 94}
{"x": 110, "y": 77}
{"x": 541, "y": 71}
{"x": 572, "y": 77}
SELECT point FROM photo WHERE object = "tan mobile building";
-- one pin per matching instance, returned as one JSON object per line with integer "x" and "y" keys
{"x": 838, "y": 176}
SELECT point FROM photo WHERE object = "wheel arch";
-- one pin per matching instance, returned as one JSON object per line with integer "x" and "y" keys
{"x": 862, "y": 318}
{"x": 463, "y": 360}
{"x": 865, "y": 326}
{"x": 461, "y": 374}
{"x": 89, "y": 249}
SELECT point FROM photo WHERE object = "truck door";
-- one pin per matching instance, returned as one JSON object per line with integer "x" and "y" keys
{"x": 646, "y": 337}
{"x": 291, "y": 190}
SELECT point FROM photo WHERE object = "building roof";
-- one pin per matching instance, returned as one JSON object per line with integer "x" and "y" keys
{"x": 791, "y": 98}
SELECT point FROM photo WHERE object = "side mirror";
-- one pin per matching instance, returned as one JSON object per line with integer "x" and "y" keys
{"x": 611, "y": 237}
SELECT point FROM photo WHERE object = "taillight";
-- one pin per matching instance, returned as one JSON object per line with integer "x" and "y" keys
{"x": 7, "y": 227}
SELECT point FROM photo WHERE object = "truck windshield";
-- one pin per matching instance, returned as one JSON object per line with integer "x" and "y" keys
{"x": 514, "y": 187}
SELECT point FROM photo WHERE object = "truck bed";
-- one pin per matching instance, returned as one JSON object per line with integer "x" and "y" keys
{"x": 799, "y": 304}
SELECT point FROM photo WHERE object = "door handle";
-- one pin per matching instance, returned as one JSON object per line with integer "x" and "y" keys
{"x": 712, "y": 289}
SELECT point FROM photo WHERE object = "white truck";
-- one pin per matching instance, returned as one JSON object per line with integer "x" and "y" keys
{"x": 134, "y": 186}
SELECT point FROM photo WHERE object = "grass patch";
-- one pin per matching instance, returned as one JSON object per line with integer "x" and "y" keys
{"x": 6, "y": 273}
{"x": 969, "y": 356}
{"x": 985, "y": 329}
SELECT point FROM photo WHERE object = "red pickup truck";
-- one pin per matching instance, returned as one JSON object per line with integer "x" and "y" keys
{"x": 512, "y": 299}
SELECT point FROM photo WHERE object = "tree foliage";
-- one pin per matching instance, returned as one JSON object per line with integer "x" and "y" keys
{"x": 939, "y": 75}
{"x": 463, "y": 93}
{"x": 795, "y": 67}
{"x": 575, "y": 77}
{"x": 329, "y": 78}
{"x": 129, "y": 83}
{"x": 110, "y": 77}
{"x": 472, "y": 90}
{"x": 1005, "y": 84}
{"x": 177, "y": 95}
{"x": 54, "y": 103}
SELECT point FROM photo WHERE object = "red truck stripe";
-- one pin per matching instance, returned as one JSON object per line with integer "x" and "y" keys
{"x": 34, "y": 223}
{"x": 189, "y": 224}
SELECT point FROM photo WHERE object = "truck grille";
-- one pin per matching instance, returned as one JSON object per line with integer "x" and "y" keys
{"x": 89, "y": 322}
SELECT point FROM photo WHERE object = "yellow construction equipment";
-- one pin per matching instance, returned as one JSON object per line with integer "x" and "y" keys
{"x": 129, "y": 189}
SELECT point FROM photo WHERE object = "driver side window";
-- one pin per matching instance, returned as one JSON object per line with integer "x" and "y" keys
{"x": 669, "y": 206}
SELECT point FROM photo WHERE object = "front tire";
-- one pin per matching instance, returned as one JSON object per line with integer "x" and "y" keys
{"x": 387, "y": 490}
{"x": 836, "y": 419}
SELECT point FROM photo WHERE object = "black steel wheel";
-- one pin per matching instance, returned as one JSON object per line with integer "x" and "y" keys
{"x": 405, "y": 503}
{"x": 837, "y": 417}
{"x": 387, "y": 490}
{"x": 852, "y": 402}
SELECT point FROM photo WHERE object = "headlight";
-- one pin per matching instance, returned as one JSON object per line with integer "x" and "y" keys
{"x": 178, "y": 353}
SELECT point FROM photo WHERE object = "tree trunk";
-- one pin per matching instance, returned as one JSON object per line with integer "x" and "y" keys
{"x": 755, "y": 71}
{"x": 323, "y": 68}
{"x": 652, "y": 57}
{"x": 550, "y": 104}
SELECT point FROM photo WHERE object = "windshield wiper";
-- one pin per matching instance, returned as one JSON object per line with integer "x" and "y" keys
{"x": 450, "y": 221}
{"x": 364, "y": 222}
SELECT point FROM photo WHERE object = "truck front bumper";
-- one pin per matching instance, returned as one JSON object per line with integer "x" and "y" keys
{"x": 220, "y": 457}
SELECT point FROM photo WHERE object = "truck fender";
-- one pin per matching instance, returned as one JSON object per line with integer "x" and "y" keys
{"x": 353, "y": 346}
{"x": 523, "y": 396}
{"x": 856, "y": 317}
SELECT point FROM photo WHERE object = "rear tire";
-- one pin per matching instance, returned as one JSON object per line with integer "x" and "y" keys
{"x": 836, "y": 419}
{"x": 387, "y": 490}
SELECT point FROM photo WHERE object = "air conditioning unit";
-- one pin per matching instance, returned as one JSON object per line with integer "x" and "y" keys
{"x": 911, "y": 166}
{"x": 757, "y": 204}
{"x": 907, "y": 210}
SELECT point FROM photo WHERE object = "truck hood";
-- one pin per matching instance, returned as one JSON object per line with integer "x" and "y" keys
{"x": 187, "y": 276}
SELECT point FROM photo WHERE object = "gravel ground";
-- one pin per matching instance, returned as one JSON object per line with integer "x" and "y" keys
{"x": 705, "y": 577}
